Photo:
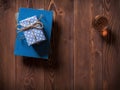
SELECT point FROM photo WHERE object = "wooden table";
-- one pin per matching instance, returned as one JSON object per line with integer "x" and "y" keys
{"x": 79, "y": 60}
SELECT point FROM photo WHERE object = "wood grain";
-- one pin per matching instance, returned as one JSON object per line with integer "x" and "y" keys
{"x": 7, "y": 59}
{"x": 29, "y": 71}
{"x": 82, "y": 46}
{"x": 96, "y": 48}
{"x": 79, "y": 58}
{"x": 111, "y": 50}
{"x": 60, "y": 68}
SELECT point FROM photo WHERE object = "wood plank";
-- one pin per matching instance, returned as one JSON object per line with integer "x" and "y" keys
{"x": 82, "y": 51}
{"x": 96, "y": 41}
{"x": 59, "y": 73}
{"x": 29, "y": 71}
{"x": 7, "y": 59}
{"x": 88, "y": 47}
{"x": 111, "y": 48}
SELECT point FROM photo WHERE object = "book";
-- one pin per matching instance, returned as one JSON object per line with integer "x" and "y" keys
{"x": 42, "y": 49}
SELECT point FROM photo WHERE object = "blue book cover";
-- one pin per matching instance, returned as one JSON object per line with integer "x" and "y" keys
{"x": 40, "y": 50}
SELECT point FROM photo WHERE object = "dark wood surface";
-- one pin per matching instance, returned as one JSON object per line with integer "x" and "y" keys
{"x": 79, "y": 60}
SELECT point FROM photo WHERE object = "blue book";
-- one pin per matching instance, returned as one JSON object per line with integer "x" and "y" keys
{"x": 42, "y": 49}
